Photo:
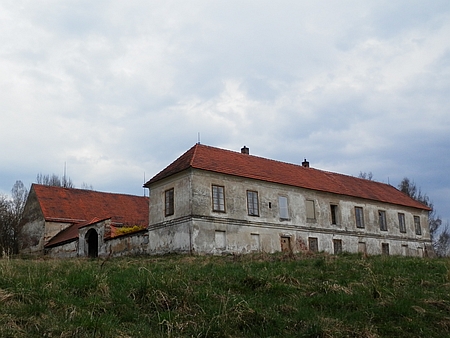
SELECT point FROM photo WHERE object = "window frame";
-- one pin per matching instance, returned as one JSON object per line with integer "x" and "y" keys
{"x": 252, "y": 203}
{"x": 310, "y": 204}
{"x": 382, "y": 221}
{"x": 218, "y": 198}
{"x": 417, "y": 226}
{"x": 401, "y": 222}
{"x": 334, "y": 214}
{"x": 337, "y": 246}
{"x": 313, "y": 244}
{"x": 169, "y": 202}
{"x": 385, "y": 249}
{"x": 359, "y": 217}
{"x": 285, "y": 208}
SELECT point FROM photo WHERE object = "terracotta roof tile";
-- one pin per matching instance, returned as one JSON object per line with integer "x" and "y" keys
{"x": 258, "y": 168}
{"x": 83, "y": 207}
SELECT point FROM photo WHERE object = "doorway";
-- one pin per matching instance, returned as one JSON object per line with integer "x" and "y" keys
{"x": 92, "y": 243}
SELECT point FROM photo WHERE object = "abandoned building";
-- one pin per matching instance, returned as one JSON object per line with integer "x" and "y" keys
{"x": 211, "y": 200}
{"x": 216, "y": 201}
{"x": 66, "y": 222}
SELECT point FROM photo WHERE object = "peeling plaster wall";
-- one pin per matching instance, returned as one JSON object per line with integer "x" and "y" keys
{"x": 131, "y": 244}
{"x": 69, "y": 250}
{"x": 197, "y": 228}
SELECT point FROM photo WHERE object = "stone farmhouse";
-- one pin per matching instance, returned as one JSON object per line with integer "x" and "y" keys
{"x": 65, "y": 222}
{"x": 216, "y": 201}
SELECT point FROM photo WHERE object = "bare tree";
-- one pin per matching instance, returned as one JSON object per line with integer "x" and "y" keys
{"x": 440, "y": 234}
{"x": 11, "y": 210}
{"x": 366, "y": 176}
{"x": 54, "y": 181}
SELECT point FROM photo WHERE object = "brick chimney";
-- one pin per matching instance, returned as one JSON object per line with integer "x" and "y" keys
{"x": 305, "y": 164}
{"x": 245, "y": 150}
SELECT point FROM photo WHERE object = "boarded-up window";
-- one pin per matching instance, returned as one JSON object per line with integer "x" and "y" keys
{"x": 313, "y": 244}
{"x": 334, "y": 210}
{"x": 220, "y": 239}
{"x": 385, "y": 249}
{"x": 362, "y": 247}
{"x": 401, "y": 222}
{"x": 283, "y": 206}
{"x": 310, "y": 210}
{"x": 255, "y": 243}
{"x": 252, "y": 203}
{"x": 285, "y": 244}
{"x": 405, "y": 250}
{"x": 359, "y": 216}
{"x": 169, "y": 202}
{"x": 417, "y": 225}
{"x": 337, "y": 246}
{"x": 382, "y": 220}
{"x": 218, "y": 198}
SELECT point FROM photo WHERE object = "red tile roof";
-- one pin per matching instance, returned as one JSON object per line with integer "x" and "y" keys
{"x": 79, "y": 205}
{"x": 258, "y": 168}
{"x": 83, "y": 207}
{"x": 69, "y": 234}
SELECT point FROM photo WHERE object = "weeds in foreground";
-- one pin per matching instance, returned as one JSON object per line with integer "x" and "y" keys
{"x": 231, "y": 296}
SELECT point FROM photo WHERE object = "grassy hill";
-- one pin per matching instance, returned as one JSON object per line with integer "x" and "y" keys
{"x": 232, "y": 296}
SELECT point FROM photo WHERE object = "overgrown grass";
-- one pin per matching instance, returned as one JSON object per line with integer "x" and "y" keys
{"x": 232, "y": 296}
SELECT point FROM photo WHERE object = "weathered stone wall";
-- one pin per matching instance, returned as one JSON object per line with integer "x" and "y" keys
{"x": 68, "y": 250}
{"x": 196, "y": 227}
{"x": 32, "y": 233}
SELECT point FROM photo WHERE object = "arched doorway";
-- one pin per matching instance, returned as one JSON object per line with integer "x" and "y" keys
{"x": 92, "y": 243}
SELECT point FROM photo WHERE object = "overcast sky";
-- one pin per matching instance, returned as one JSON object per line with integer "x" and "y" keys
{"x": 116, "y": 89}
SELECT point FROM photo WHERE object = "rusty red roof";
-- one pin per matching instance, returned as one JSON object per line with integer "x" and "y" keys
{"x": 69, "y": 234}
{"x": 253, "y": 167}
{"x": 81, "y": 207}
{"x": 78, "y": 205}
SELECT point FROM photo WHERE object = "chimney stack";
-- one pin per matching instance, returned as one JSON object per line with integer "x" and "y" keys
{"x": 245, "y": 150}
{"x": 305, "y": 164}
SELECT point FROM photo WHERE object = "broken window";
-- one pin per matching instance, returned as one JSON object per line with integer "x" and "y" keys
{"x": 283, "y": 206}
{"x": 333, "y": 209}
{"x": 359, "y": 215}
{"x": 218, "y": 198}
{"x": 169, "y": 202}
{"x": 313, "y": 244}
{"x": 382, "y": 220}
{"x": 337, "y": 246}
{"x": 385, "y": 249}
{"x": 310, "y": 210}
{"x": 252, "y": 203}
{"x": 417, "y": 225}
{"x": 401, "y": 222}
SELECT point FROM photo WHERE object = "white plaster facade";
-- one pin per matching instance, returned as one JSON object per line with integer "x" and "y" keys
{"x": 194, "y": 226}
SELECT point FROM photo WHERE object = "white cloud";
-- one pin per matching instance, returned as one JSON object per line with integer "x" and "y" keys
{"x": 117, "y": 88}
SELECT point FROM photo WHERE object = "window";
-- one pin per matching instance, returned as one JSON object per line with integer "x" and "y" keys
{"x": 333, "y": 209}
{"x": 252, "y": 203}
{"x": 168, "y": 202}
{"x": 310, "y": 210}
{"x": 255, "y": 242}
{"x": 385, "y": 249}
{"x": 283, "y": 205}
{"x": 337, "y": 246}
{"x": 401, "y": 222}
{"x": 220, "y": 238}
{"x": 382, "y": 220}
{"x": 359, "y": 215}
{"x": 313, "y": 244}
{"x": 417, "y": 225}
{"x": 218, "y": 198}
